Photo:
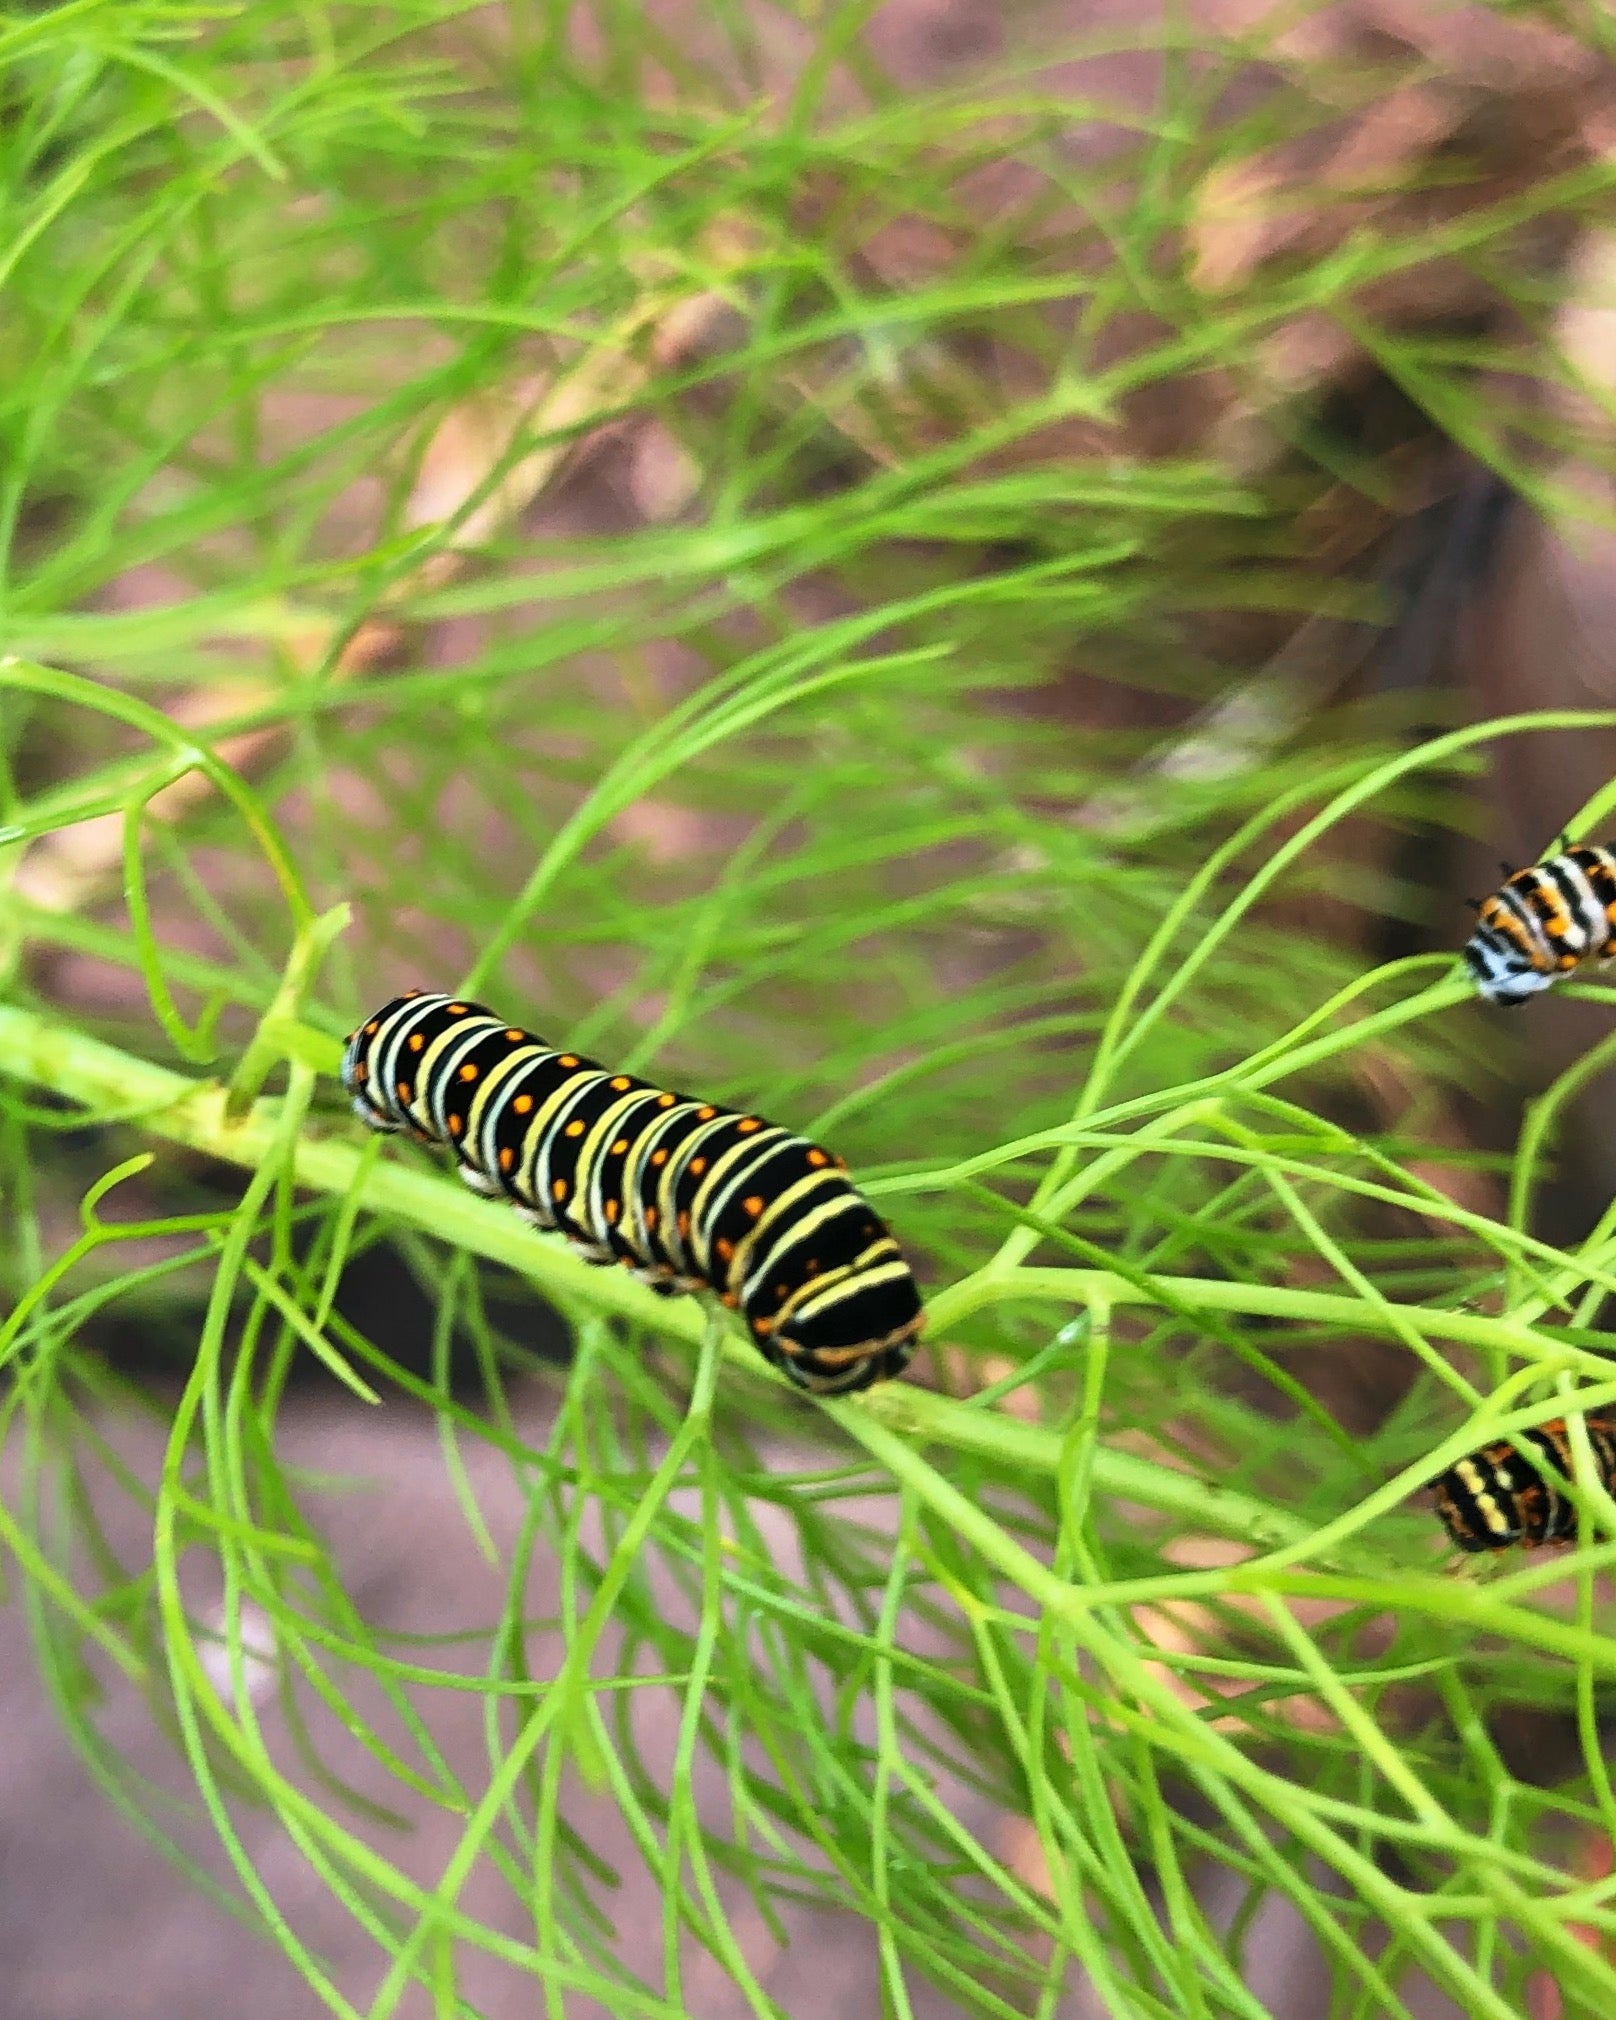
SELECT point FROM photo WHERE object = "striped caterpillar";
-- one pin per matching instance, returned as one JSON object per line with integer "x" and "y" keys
{"x": 687, "y": 1195}
{"x": 1542, "y": 921}
{"x": 1493, "y": 1498}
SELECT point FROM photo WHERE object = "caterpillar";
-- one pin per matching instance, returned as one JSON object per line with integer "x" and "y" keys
{"x": 1496, "y": 1497}
{"x": 687, "y": 1195}
{"x": 1542, "y": 921}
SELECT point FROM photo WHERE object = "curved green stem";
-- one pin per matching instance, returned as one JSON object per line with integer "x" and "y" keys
{"x": 94, "y": 1075}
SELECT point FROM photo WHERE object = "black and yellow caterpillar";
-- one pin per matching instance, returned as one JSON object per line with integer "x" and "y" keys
{"x": 1542, "y": 922}
{"x": 687, "y": 1195}
{"x": 1494, "y": 1497}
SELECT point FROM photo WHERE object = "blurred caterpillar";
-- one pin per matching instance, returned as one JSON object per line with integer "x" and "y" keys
{"x": 1542, "y": 921}
{"x": 1495, "y": 1497}
{"x": 687, "y": 1195}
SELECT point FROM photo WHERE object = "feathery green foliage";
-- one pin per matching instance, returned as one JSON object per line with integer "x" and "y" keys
{"x": 776, "y": 799}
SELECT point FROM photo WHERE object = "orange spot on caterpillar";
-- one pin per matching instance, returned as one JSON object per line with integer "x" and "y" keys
{"x": 468, "y": 1073}
{"x": 416, "y": 1041}
{"x": 507, "y": 1158}
{"x": 724, "y": 1250}
{"x": 664, "y": 1101}
{"x": 574, "y": 1129}
{"x": 612, "y": 1211}
{"x": 403, "y": 1090}
{"x": 514, "y": 1035}
{"x": 620, "y": 1146}
{"x": 621, "y": 1083}
{"x": 458, "y": 1009}
{"x": 650, "y": 1216}
{"x": 568, "y": 1060}
{"x": 705, "y": 1114}
{"x": 558, "y": 1189}
{"x": 456, "y": 1124}
{"x": 697, "y": 1166}
{"x": 749, "y": 1125}
{"x": 659, "y": 1157}
{"x": 522, "y": 1103}
{"x": 754, "y": 1205}
{"x": 817, "y": 1158}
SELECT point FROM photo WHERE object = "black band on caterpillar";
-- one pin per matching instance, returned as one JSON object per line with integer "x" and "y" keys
{"x": 1542, "y": 922}
{"x": 1495, "y": 1497}
{"x": 687, "y": 1195}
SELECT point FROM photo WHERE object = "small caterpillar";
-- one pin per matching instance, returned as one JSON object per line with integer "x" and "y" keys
{"x": 1495, "y": 1497}
{"x": 687, "y": 1195}
{"x": 1542, "y": 921}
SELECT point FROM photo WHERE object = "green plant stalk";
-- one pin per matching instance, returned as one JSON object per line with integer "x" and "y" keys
{"x": 35, "y": 1050}
{"x": 45, "y": 1055}
{"x": 1129, "y": 1022}
{"x": 194, "y": 1113}
{"x": 561, "y": 1703}
{"x": 188, "y": 754}
{"x": 100, "y": 1077}
{"x": 1149, "y": 1703}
